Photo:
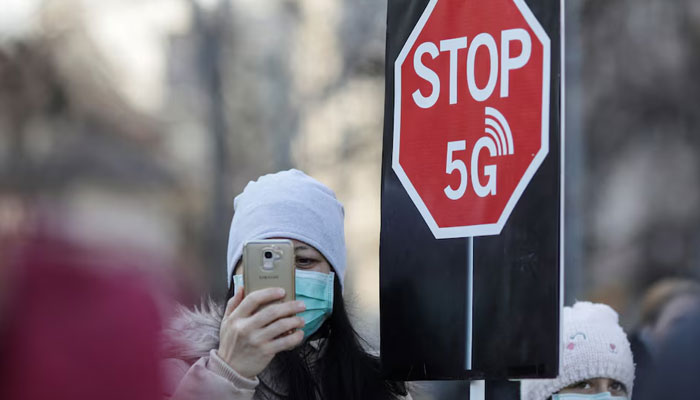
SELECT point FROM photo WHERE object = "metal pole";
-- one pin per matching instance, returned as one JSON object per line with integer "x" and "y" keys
{"x": 575, "y": 157}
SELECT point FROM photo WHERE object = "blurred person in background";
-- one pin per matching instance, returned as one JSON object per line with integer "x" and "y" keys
{"x": 676, "y": 368}
{"x": 665, "y": 304}
{"x": 240, "y": 350}
{"x": 78, "y": 323}
{"x": 596, "y": 360}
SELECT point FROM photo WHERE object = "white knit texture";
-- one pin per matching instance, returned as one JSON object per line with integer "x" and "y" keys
{"x": 288, "y": 204}
{"x": 593, "y": 346}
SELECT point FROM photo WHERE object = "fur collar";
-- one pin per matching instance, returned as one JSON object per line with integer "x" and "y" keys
{"x": 191, "y": 334}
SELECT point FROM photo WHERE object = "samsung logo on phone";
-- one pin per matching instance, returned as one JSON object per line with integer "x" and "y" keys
{"x": 268, "y": 276}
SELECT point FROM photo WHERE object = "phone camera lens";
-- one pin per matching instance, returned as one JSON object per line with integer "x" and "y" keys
{"x": 268, "y": 255}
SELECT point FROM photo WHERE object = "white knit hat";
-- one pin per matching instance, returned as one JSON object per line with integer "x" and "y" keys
{"x": 593, "y": 346}
{"x": 288, "y": 204}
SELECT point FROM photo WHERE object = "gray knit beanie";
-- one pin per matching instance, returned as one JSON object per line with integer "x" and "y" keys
{"x": 288, "y": 204}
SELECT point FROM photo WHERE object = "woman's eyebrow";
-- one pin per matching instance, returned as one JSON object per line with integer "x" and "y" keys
{"x": 301, "y": 247}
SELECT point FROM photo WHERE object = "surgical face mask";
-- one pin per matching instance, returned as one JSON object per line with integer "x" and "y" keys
{"x": 597, "y": 396}
{"x": 315, "y": 289}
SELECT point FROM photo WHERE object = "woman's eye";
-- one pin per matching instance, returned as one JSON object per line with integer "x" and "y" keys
{"x": 305, "y": 262}
{"x": 617, "y": 387}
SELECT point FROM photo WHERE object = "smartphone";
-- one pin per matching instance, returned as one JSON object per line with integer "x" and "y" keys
{"x": 269, "y": 263}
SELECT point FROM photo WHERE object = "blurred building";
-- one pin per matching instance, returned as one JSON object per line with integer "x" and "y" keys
{"x": 77, "y": 158}
{"x": 153, "y": 147}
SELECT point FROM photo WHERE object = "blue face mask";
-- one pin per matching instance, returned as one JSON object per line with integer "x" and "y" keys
{"x": 315, "y": 289}
{"x": 597, "y": 396}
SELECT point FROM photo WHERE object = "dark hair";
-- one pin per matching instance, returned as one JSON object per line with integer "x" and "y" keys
{"x": 344, "y": 369}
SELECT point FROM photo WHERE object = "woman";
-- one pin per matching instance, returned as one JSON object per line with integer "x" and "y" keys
{"x": 304, "y": 349}
{"x": 596, "y": 360}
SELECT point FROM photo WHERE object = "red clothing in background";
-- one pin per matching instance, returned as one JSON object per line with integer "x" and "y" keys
{"x": 76, "y": 328}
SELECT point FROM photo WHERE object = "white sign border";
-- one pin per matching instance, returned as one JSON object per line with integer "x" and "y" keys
{"x": 484, "y": 229}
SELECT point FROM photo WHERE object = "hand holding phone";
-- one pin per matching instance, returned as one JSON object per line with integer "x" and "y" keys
{"x": 255, "y": 328}
{"x": 262, "y": 324}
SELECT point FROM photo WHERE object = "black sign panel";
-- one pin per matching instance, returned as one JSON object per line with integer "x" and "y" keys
{"x": 486, "y": 307}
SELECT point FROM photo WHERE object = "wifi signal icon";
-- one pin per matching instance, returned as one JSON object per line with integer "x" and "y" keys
{"x": 497, "y": 127}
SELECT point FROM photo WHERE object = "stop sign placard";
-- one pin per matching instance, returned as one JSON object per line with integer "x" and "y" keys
{"x": 471, "y": 112}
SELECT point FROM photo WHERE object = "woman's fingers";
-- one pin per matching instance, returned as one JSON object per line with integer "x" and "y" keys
{"x": 286, "y": 342}
{"x": 275, "y": 312}
{"x": 233, "y": 302}
{"x": 280, "y": 327}
{"x": 253, "y": 301}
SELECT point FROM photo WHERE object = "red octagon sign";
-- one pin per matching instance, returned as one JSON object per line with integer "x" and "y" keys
{"x": 471, "y": 112}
